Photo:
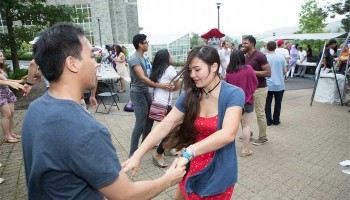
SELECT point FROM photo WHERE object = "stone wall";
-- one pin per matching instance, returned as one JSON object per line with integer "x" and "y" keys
{"x": 118, "y": 19}
{"x": 133, "y": 19}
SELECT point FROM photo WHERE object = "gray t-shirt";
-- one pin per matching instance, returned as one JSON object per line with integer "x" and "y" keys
{"x": 136, "y": 84}
{"x": 67, "y": 153}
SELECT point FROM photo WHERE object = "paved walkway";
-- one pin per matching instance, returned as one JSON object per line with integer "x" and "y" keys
{"x": 300, "y": 161}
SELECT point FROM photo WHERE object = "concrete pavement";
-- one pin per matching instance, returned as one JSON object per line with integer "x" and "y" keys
{"x": 300, "y": 161}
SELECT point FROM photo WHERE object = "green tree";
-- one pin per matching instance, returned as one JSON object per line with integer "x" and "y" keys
{"x": 341, "y": 7}
{"x": 196, "y": 40}
{"x": 25, "y": 18}
{"x": 311, "y": 18}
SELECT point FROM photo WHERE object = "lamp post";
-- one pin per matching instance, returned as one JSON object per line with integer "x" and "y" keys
{"x": 99, "y": 30}
{"x": 218, "y": 6}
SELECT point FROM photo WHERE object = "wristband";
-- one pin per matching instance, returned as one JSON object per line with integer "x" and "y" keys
{"x": 186, "y": 155}
{"x": 193, "y": 151}
{"x": 29, "y": 83}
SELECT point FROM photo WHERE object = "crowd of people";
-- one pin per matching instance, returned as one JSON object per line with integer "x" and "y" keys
{"x": 222, "y": 90}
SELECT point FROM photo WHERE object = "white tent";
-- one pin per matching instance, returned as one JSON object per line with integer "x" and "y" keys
{"x": 307, "y": 36}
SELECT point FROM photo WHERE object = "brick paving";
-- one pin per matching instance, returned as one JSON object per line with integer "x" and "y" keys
{"x": 300, "y": 161}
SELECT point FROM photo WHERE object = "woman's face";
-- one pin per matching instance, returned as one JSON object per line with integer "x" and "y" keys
{"x": 200, "y": 74}
{"x": 2, "y": 58}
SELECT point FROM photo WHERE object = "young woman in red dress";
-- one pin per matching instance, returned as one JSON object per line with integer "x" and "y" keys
{"x": 203, "y": 123}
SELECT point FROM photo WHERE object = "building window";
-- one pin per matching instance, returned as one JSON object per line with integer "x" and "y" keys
{"x": 85, "y": 20}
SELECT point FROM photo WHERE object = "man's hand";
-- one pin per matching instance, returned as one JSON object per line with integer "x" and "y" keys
{"x": 93, "y": 102}
{"x": 131, "y": 164}
{"x": 175, "y": 173}
{"x": 182, "y": 162}
{"x": 26, "y": 89}
{"x": 166, "y": 86}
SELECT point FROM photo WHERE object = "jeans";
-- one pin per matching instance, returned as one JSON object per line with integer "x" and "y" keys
{"x": 143, "y": 125}
{"x": 259, "y": 104}
{"x": 277, "y": 110}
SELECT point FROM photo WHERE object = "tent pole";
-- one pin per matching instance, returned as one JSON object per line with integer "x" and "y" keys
{"x": 318, "y": 74}
{"x": 346, "y": 68}
{"x": 337, "y": 83}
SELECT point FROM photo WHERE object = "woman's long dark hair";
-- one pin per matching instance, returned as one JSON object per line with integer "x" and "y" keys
{"x": 237, "y": 61}
{"x": 2, "y": 65}
{"x": 184, "y": 134}
{"x": 160, "y": 64}
{"x": 118, "y": 49}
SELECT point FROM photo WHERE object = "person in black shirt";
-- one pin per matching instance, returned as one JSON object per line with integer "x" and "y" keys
{"x": 327, "y": 61}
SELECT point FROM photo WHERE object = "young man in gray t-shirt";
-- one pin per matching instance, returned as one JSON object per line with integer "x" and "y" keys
{"x": 67, "y": 153}
{"x": 139, "y": 93}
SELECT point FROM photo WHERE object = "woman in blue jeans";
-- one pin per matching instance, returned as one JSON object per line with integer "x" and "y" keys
{"x": 163, "y": 72}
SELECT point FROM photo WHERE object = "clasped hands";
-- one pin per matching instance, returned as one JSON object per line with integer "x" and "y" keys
{"x": 133, "y": 164}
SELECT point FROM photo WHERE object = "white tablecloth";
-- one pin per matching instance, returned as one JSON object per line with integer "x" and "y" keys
{"x": 306, "y": 63}
{"x": 106, "y": 72}
{"x": 327, "y": 91}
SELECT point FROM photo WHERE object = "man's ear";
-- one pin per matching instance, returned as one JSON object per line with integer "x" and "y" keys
{"x": 71, "y": 64}
{"x": 214, "y": 67}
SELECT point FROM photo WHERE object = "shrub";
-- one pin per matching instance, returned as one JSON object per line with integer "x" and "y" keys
{"x": 98, "y": 59}
{"x": 21, "y": 55}
{"x": 18, "y": 74}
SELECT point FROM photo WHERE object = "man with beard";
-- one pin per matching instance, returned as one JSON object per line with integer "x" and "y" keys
{"x": 259, "y": 62}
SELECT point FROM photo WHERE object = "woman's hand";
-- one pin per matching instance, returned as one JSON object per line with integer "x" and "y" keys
{"x": 182, "y": 162}
{"x": 131, "y": 164}
{"x": 15, "y": 85}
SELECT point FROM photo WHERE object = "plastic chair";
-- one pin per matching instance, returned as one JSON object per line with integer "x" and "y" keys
{"x": 103, "y": 91}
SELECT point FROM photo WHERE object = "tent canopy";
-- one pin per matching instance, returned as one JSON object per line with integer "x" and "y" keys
{"x": 307, "y": 36}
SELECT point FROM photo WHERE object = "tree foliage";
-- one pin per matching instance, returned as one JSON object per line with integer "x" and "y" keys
{"x": 341, "y": 7}
{"x": 311, "y": 18}
{"x": 25, "y": 18}
{"x": 196, "y": 40}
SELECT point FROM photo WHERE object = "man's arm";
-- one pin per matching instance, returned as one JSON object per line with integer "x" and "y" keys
{"x": 285, "y": 70}
{"x": 266, "y": 71}
{"x": 304, "y": 55}
{"x": 140, "y": 74}
{"x": 123, "y": 188}
{"x": 32, "y": 69}
{"x": 92, "y": 99}
{"x": 324, "y": 63}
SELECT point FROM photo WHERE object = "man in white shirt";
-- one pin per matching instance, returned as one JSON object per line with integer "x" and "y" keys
{"x": 281, "y": 50}
{"x": 302, "y": 57}
{"x": 224, "y": 53}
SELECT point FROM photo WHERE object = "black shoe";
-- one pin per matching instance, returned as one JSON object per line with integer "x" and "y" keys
{"x": 269, "y": 123}
{"x": 276, "y": 123}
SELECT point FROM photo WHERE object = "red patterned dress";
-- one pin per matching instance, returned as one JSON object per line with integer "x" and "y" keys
{"x": 204, "y": 128}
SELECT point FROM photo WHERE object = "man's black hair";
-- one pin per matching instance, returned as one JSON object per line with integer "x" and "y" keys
{"x": 55, "y": 44}
{"x": 251, "y": 39}
{"x": 138, "y": 38}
